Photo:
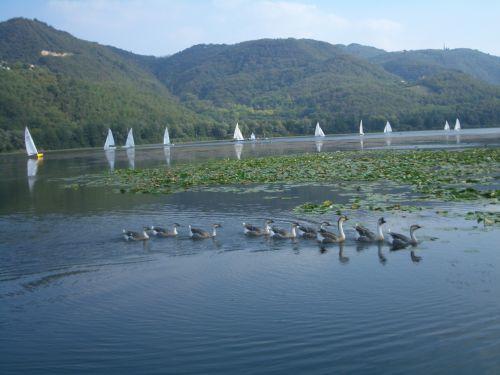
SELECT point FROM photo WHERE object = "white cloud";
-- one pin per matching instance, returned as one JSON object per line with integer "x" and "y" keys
{"x": 163, "y": 27}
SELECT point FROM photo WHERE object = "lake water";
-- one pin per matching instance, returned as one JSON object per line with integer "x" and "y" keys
{"x": 76, "y": 298}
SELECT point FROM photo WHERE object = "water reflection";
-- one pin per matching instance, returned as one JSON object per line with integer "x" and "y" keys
{"x": 166, "y": 152}
{"x": 32, "y": 170}
{"x": 110, "y": 157}
{"x": 361, "y": 143}
{"x": 342, "y": 258}
{"x": 131, "y": 157}
{"x": 238, "y": 148}
{"x": 319, "y": 145}
{"x": 458, "y": 138}
{"x": 381, "y": 257}
{"x": 388, "y": 140}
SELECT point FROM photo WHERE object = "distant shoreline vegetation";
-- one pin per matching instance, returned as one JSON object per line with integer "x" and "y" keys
{"x": 70, "y": 91}
{"x": 445, "y": 175}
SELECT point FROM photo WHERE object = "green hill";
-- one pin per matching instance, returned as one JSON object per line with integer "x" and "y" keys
{"x": 69, "y": 91}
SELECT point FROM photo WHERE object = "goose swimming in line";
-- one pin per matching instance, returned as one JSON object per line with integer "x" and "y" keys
{"x": 324, "y": 236}
{"x": 400, "y": 241}
{"x": 305, "y": 231}
{"x": 135, "y": 236}
{"x": 282, "y": 234}
{"x": 200, "y": 234}
{"x": 253, "y": 230}
{"x": 164, "y": 232}
{"x": 366, "y": 235}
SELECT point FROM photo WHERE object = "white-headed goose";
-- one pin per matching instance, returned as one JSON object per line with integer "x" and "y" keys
{"x": 252, "y": 230}
{"x": 135, "y": 236}
{"x": 164, "y": 232}
{"x": 200, "y": 234}
{"x": 324, "y": 236}
{"x": 400, "y": 241}
{"x": 282, "y": 234}
{"x": 366, "y": 235}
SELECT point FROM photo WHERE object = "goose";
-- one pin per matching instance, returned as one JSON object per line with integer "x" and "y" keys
{"x": 252, "y": 230}
{"x": 135, "y": 236}
{"x": 400, "y": 241}
{"x": 200, "y": 234}
{"x": 163, "y": 232}
{"x": 305, "y": 231}
{"x": 415, "y": 258}
{"x": 282, "y": 234}
{"x": 366, "y": 235}
{"x": 324, "y": 236}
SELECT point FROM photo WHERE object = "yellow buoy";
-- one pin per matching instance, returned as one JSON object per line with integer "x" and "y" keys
{"x": 39, "y": 155}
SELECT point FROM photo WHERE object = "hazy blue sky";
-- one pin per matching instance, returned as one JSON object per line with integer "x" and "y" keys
{"x": 163, "y": 27}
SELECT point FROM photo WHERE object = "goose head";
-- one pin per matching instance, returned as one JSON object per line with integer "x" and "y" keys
{"x": 381, "y": 221}
{"x": 414, "y": 227}
{"x": 216, "y": 225}
{"x": 269, "y": 221}
{"x": 342, "y": 218}
{"x": 176, "y": 225}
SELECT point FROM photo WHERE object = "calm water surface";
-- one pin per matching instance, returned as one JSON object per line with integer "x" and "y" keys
{"x": 76, "y": 298}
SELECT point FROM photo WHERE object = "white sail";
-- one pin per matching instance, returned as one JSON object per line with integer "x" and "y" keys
{"x": 110, "y": 141}
{"x": 237, "y": 136}
{"x": 252, "y": 137}
{"x": 30, "y": 145}
{"x": 361, "y": 132}
{"x": 130, "y": 139}
{"x": 388, "y": 128}
{"x": 166, "y": 137}
{"x": 110, "y": 157}
{"x": 318, "y": 132}
{"x": 457, "y": 125}
{"x": 446, "y": 126}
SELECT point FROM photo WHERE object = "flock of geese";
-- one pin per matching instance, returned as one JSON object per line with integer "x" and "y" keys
{"x": 322, "y": 234}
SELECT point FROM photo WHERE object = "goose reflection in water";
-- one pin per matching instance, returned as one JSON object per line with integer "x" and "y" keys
{"x": 381, "y": 257}
{"x": 166, "y": 152}
{"x": 110, "y": 157}
{"x": 238, "y": 149}
{"x": 31, "y": 171}
{"x": 342, "y": 259}
{"x": 131, "y": 157}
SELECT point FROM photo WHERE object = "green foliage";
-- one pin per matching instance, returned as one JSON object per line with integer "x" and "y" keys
{"x": 272, "y": 87}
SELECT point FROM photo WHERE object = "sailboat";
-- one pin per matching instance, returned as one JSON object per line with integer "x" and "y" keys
{"x": 252, "y": 137}
{"x": 166, "y": 138}
{"x": 457, "y": 125}
{"x": 318, "y": 132}
{"x": 237, "y": 136}
{"x": 388, "y": 128}
{"x": 30, "y": 145}
{"x": 447, "y": 126}
{"x": 110, "y": 141}
{"x": 361, "y": 132}
{"x": 130, "y": 139}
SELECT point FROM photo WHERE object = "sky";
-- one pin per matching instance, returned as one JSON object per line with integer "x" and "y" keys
{"x": 163, "y": 27}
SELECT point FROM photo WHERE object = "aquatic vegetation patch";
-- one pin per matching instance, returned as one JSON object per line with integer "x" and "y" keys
{"x": 485, "y": 217}
{"x": 451, "y": 175}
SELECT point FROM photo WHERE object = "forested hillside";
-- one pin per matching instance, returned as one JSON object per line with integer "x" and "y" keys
{"x": 69, "y": 91}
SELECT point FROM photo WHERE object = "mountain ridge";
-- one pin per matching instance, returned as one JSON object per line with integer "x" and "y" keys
{"x": 271, "y": 86}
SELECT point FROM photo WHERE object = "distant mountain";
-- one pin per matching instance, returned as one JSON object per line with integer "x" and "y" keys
{"x": 69, "y": 91}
